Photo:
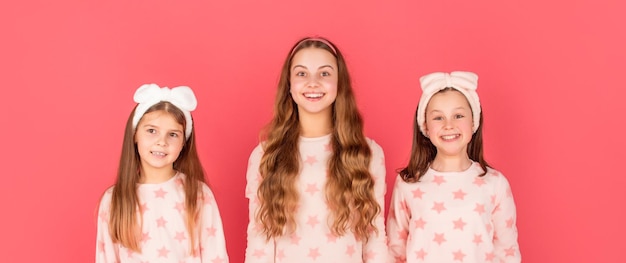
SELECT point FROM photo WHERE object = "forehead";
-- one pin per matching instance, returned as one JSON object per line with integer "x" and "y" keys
{"x": 313, "y": 57}
{"x": 447, "y": 99}
{"x": 160, "y": 118}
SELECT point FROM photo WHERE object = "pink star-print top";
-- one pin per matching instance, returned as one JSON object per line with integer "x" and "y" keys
{"x": 164, "y": 235}
{"x": 312, "y": 240}
{"x": 453, "y": 217}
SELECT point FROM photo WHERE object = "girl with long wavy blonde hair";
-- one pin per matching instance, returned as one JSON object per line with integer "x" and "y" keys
{"x": 160, "y": 208}
{"x": 315, "y": 183}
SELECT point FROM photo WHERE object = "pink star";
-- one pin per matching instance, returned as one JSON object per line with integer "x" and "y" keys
{"x": 488, "y": 227}
{"x": 180, "y": 236}
{"x": 458, "y": 255}
{"x": 211, "y": 231}
{"x": 163, "y": 252}
{"x": 421, "y": 254}
{"x": 145, "y": 237}
{"x": 490, "y": 256}
{"x": 311, "y": 160}
{"x": 313, "y": 221}
{"x": 459, "y": 224}
{"x": 179, "y": 181}
{"x": 311, "y": 189}
{"x": 100, "y": 246}
{"x": 419, "y": 223}
{"x": 493, "y": 199}
{"x": 130, "y": 253}
{"x": 208, "y": 199}
{"x": 439, "y": 238}
{"x": 370, "y": 255}
{"x": 295, "y": 239}
{"x": 143, "y": 208}
{"x": 160, "y": 193}
{"x": 180, "y": 206}
{"x": 258, "y": 253}
{"x": 328, "y": 147}
{"x": 480, "y": 208}
{"x": 478, "y": 238}
{"x": 161, "y": 222}
{"x": 403, "y": 235}
{"x": 417, "y": 193}
{"x": 331, "y": 237}
{"x": 438, "y": 206}
{"x": 510, "y": 222}
{"x": 509, "y": 251}
{"x": 281, "y": 254}
{"x": 479, "y": 181}
{"x": 218, "y": 259}
{"x": 350, "y": 250}
{"x": 314, "y": 253}
{"x": 439, "y": 179}
{"x": 459, "y": 194}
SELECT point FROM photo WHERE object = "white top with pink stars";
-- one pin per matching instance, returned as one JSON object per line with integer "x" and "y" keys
{"x": 312, "y": 240}
{"x": 453, "y": 217}
{"x": 164, "y": 234}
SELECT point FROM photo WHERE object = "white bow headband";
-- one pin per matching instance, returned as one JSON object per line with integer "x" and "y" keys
{"x": 182, "y": 97}
{"x": 463, "y": 81}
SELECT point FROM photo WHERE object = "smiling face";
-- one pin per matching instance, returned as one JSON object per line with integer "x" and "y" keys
{"x": 160, "y": 139}
{"x": 449, "y": 123}
{"x": 313, "y": 81}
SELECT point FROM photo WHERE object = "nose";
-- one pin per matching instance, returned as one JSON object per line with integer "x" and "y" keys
{"x": 161, "y": 141}
{"x": 313, "y": 82}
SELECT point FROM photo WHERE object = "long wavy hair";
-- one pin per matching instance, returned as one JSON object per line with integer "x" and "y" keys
{"x": 124, "y": 225}
{"x": 423, "y": 151}
{"x": 350, "y": 186}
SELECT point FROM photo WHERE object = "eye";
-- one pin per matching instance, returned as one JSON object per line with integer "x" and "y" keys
{"x": 437, "y": 118}
{"x": 459, "y": 116}
{"x": 174, "y": 135}
{"x": 151, "y": 130}
{"x": 325, "y": 74}
{"x": 300, "y": 74}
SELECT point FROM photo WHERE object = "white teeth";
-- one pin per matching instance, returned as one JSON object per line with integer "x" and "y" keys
{"x": 158, "y": 153}
{"x": 449, "y": 137}
{"x": 314, "y": 95}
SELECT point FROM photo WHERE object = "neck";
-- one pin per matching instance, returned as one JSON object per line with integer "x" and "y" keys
{"x": 315, "y": 125}
{"x": 155, "y": 176}
{"x": 451, "y": 163}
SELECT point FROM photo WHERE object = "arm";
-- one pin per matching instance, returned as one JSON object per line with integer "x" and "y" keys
{"x": 375, "y": 249}
{"x": 398, "y": 223}
{"x": 106, "y": 251}
{"x": 258, "y": 249}
{"x": 211, "y": 236}
{"x": 503, "y": 219}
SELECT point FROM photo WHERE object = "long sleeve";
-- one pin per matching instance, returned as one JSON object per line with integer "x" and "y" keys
{"x": 212, "y": 242}
{"x": 503, "y": 217}
{"x": 106, "y": 251}
{"x": 258, "y": 250}
{"x": 398, "y": 223}
{"x": 376, "y": 250}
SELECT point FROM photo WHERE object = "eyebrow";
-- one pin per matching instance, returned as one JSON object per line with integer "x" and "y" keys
{"x": 154, "y": 126}
{"x": 324, "y": 66}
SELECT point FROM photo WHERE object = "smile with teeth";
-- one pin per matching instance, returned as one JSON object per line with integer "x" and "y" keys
{"x": 158, "y": 153}
{"x": 450, "y": 137}
{"x": 313, "y": 95}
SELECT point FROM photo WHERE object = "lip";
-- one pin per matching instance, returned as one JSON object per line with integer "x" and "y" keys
{"x": 313, "y": 95}
{"x": 450, "y": 137}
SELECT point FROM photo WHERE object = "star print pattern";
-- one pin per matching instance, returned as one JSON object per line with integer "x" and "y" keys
{"x": 312, "y": 240}
{"x": 164, "y": 236}
{"x": 453, "y": 217}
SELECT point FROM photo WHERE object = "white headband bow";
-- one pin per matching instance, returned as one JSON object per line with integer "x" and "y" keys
{"x": 182, "y": 97}
{"x": 463, "y": 81}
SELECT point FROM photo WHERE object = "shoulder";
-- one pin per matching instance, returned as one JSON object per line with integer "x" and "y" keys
{"x": 374, "y": 146}
{"x": 105, "y": 199}
{"x": 497, "y": 177}
{"x": 257, "y": 152}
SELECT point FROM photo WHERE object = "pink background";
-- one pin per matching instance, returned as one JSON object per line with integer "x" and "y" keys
{"x": 551, "y": 84}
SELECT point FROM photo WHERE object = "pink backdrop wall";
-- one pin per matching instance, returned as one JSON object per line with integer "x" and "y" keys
{"x": 551, "y": 83}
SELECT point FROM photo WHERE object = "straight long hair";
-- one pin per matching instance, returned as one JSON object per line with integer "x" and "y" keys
{"x": 350, "y": 186}
{"x": 125, "y": 219}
